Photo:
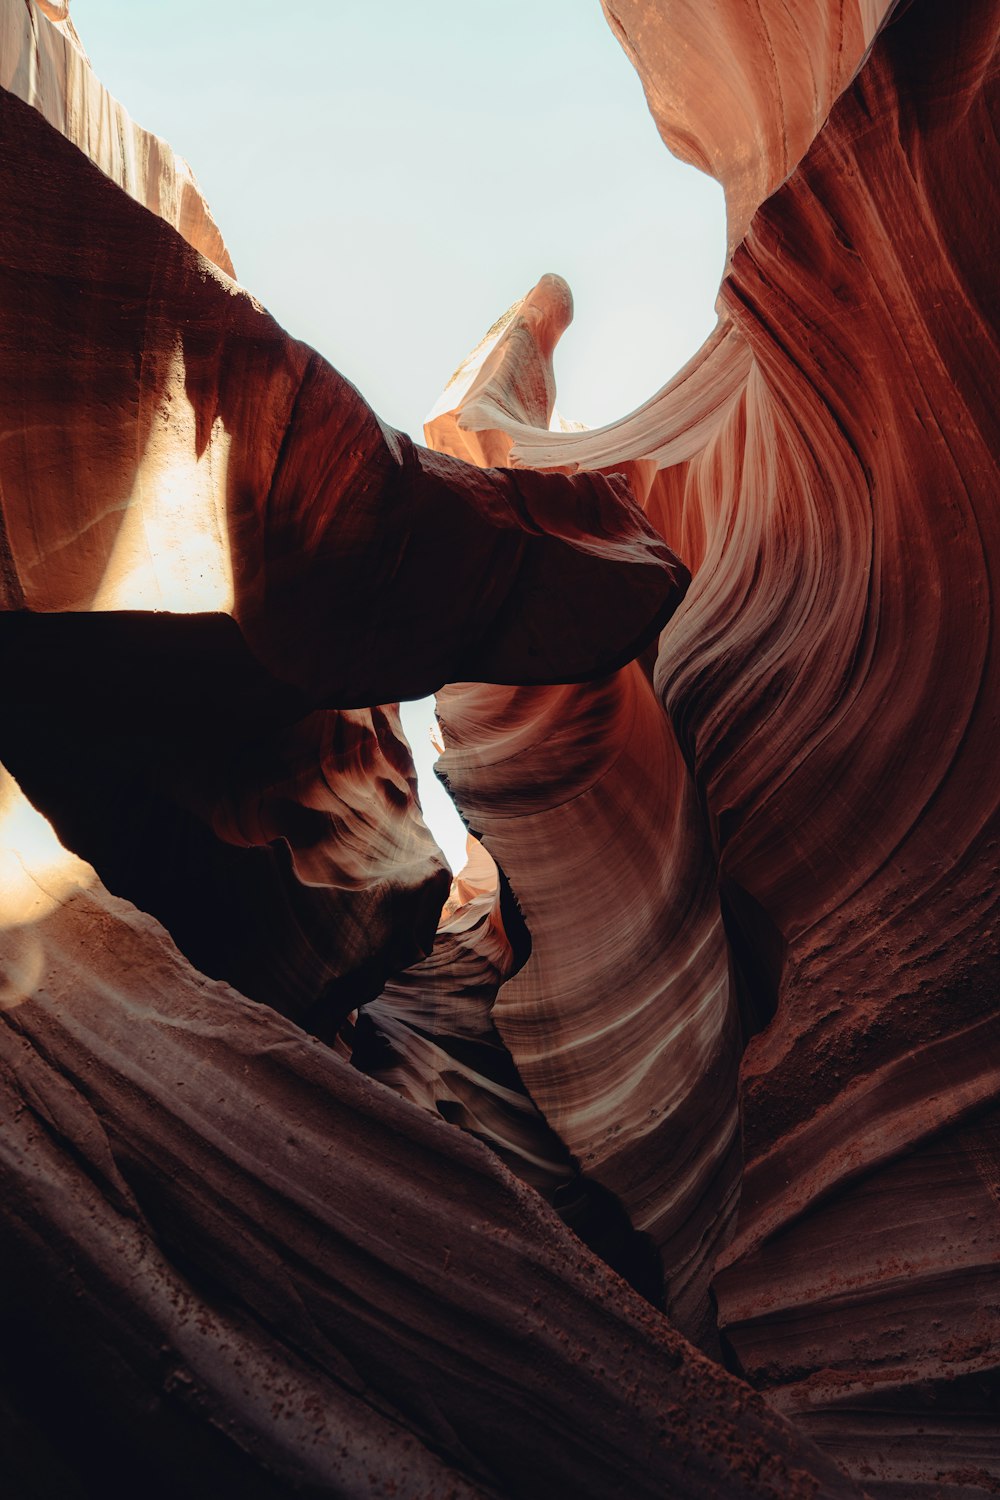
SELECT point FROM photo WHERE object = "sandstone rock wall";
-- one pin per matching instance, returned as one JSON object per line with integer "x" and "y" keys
{"x": 827, "y": 467}
{"x": 729, "y": 1004}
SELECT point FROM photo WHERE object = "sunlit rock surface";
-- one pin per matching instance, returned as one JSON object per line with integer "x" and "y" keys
{"x": 741, "y": 90}
{"x": 728, "y": 1001}
{"x": 47, "y": 67}
{"x": 170, "y": 451}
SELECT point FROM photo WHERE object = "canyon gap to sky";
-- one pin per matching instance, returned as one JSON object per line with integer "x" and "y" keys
{"x": 390, "y": 178}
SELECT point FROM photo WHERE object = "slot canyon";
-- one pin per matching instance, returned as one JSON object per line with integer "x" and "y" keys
{"x": 656, "y": 1152}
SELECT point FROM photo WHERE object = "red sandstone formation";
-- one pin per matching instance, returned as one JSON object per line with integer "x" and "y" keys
{"x": 729, "y": 1005}
{"x": 742, "y": 91}
{"x": 621, "y": 1024}
{"x": 214, "y": 465}
{"x": 827, "y": 468}
{"x": 46, "y": 66}
{"x": 233, "y": 1263}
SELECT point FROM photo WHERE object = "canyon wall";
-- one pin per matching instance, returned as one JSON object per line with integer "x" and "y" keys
{"x": 719, "y": 692}
{"x": 827, "y": 468}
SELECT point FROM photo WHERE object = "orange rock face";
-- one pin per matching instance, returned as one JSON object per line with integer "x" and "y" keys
{"x": 726, "y": 1004}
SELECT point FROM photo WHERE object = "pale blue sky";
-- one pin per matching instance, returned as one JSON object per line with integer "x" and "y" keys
{"x": 390, "y": 176}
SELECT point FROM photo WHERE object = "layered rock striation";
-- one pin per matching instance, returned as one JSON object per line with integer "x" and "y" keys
{"x": 827, "y": 468}
{"x": 232, "y": 1262}
{"x": 622, "y": 1022}
{"x": 728, "y": 1005}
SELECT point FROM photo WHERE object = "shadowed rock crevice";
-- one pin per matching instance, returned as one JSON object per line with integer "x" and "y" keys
{"x": 430, "y": 1036}
{"x": 757, "y": 952}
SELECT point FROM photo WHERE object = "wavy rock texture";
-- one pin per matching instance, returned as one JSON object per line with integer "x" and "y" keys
{"x": 827, "y": 468}
{"x": 432, "y": 1036}
{"x": 167, "y": 447}
{"x": 232, "y": 1264}
{"x": 627, "y": 1040}
{"x": 46, "y": 66}
{"x": 622, "y": 1023}
{"x": 742, "y": 90}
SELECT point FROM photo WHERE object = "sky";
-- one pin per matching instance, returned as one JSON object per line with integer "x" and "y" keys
{"x": 389, "y": 177}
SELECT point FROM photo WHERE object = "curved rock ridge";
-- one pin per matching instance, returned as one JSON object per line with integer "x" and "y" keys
{"x": 43, "y": 62}
{"x": 630, "y": 1055}
{"x": 626, "y": 1038}
{"x": 879, "y": 1085}
{"x": 742, "y": 91}
{"x": 214, "y": 466}
{"x": 673, "y": 425}
{"x": 194, "y": 519}
{"x": 292, "y": 858}
{"x": 508, "y": 374}
{"x": 232, "y": 1264}
{"x": 829, "y": 473}
{"x": 430, "y": 1035}
{"x": 229, "y": 1255}
{"x": 233, "y": 440}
